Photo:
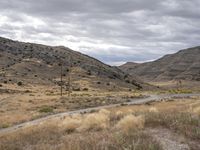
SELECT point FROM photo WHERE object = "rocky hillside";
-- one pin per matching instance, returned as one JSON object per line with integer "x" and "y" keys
{"x": 127, "y": 66}
{"x": 184, "y": 65}
{"x": 28, "y": 63}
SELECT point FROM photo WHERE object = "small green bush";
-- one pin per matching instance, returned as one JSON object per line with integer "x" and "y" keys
{"x": 180, "y": 91}
{"x": 46, "y": 109}
{"x": 5, "y": 125}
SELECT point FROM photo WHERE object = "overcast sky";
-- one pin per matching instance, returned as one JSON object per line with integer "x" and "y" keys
{"x": 114, "y": 31}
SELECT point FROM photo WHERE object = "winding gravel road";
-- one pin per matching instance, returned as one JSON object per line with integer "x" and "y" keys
{"x": 151, "y": 98}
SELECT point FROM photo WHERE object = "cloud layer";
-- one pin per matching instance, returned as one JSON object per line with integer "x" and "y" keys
{"x": 114, "y": 31}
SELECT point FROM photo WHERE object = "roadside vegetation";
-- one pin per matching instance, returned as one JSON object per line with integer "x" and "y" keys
{"x": 117, "y": 128}
{"x": 84, "y": 132}
{"x": 32, "y": 105}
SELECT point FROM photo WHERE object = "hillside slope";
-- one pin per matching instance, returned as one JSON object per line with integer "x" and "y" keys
{"x": 184, "y": 65}
{"x": 39, "y": 64}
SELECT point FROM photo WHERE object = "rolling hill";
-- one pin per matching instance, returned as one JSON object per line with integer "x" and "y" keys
{"x": 28, "y": 63}
{"x": 183, "y": 65}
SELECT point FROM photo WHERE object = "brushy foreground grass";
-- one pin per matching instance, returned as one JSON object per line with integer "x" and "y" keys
{"x": 52, "y": 139}
{"x": 109, "y": 129}
{"x": 181, "y": 122}
{"x": 129, "y": 123}
{"x": 96, "y": 131}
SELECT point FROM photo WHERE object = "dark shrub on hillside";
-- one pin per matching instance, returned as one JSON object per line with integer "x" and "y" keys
{"x": 85, "y": 89}
{"x": 89, "y": 73}
{"x": 76, "y": 89}
{"x": 19, "y": 83}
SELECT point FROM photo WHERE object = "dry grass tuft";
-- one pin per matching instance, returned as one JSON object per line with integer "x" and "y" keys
{"x": 153, "y": 110}
{"x": 116, "y": 116}
{"x": 130, "y": 123}
{"x": 71, "y": 124}
{"x": 95, "y": 121}
{"x": 77, "y": 116}
{"x": 119, "y": 114}
{"x": 81, "y": 123}
{"x": 196, "y": 110}
{"x": 104, "y": 111}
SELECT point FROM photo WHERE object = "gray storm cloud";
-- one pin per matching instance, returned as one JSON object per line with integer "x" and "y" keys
{"x": 113, "y": 31}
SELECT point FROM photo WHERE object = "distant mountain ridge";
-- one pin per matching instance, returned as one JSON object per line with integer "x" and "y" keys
{"x": 183, "y": 65}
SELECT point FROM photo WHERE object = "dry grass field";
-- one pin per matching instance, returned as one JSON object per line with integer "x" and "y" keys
{"x": 31, "y": 102}
{"x": 153, "y": 126}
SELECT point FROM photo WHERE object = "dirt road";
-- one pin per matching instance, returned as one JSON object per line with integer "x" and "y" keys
{"x": 151, "y": 98}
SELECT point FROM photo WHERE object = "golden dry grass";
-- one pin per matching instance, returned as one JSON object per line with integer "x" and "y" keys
{"x": 95, "y": 121}
{"x": 196, "y": 110}
{"x": 40, "y": 101}
{"x": 153, "y": 109}
{"x": 118, "y": 127}
{"x": 71, "y": 124}
{"x": 82, "y": 132}
{"x": 52, "y": 138}
{"x": 130, "y": 123}
{"x": 180, "y": 116}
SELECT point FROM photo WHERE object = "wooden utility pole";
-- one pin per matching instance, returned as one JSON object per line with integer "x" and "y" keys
{"x": 69, "y": 78}
{"x": 179, "y": 84}
{"x": 61, "y": 79}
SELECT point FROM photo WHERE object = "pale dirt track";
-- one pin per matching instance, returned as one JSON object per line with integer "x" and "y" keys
{"x": 151, "y": 98}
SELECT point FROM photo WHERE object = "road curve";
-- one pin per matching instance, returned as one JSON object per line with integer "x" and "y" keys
{"x": 151, "y": 98}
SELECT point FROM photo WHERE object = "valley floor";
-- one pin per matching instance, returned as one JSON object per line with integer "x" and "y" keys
{"x": 19, "y": 104}
{"x": 170, "y": 124}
